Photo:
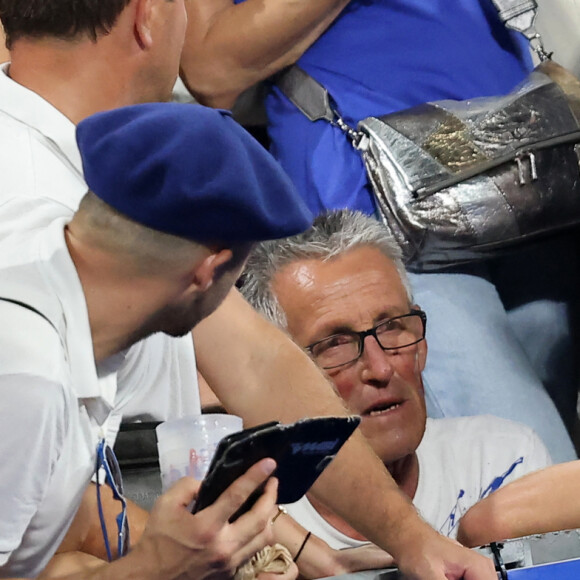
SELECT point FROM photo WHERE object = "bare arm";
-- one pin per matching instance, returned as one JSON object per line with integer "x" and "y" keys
{"x": 229, "y": 47}
{"x": 67, "y": 563}
{"x": 319, "y": 560}
{"x": 83, "y": 548}
{"x": 260, "y": 374}
{"x": 85, "y": 534}
{"x": 178, "y": 544}
{"x": 540, "y": 502}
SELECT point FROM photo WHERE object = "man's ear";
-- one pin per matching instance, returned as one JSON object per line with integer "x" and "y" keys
{"x": 144, "y": 14}
{"x": 421, "y": 352}
{"x": 205, "y": 272}
{"x": 421, "y": 356}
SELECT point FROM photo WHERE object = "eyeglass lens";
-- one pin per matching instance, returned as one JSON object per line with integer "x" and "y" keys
{"x": 395, "y": 333}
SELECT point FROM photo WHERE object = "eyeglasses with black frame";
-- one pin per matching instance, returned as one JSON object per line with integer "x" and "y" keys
{"x": 395, "y": 333}
{"x": 108, "y": 462}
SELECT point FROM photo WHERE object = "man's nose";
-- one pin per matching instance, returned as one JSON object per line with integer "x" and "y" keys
{"x": 377, "y": 364}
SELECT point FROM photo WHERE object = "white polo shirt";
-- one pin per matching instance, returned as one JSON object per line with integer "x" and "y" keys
{"x": 41, "y": 180}
{"x": 56, "y": 404}
{"x": 40, "y": 160}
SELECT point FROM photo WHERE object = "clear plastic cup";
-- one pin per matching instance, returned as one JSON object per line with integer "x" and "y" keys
{"x": 186, "y": 446}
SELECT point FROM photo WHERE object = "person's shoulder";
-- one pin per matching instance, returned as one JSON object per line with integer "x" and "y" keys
{"x": 27, "y": 340}
{"x": 12, "y": 130}
{"x": 486, "y": 427}
{"x": 38, "y": 152}
{"x": 485, "y": 445}
{"x": 34, "y": 377}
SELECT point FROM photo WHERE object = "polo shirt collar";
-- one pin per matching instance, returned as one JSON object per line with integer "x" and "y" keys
{"x": 96, "y": 386}
{"x": 32, "y": 110}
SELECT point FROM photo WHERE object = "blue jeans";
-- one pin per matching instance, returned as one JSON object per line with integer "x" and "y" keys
{"x": 500, "y": 337}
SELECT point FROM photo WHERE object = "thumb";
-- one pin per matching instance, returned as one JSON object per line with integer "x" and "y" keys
{"x": 183, "y": 491}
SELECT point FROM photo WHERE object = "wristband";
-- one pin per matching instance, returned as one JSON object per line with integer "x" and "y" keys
{"x": 302, "y": 546}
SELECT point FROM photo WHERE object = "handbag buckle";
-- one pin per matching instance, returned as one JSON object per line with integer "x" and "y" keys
{"x": 357, "y": 138}
{"x": 537, "y": 46}
{"x": 520, "y": 163}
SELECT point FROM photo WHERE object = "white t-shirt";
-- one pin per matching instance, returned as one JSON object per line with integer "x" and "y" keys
{"x": 461, "y": 460}
{"x": 56, "y": 404}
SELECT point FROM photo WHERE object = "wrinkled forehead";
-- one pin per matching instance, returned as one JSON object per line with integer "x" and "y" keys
{"x": 357, "y": 288}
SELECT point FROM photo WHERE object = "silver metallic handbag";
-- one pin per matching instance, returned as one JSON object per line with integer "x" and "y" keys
{"x": 458, "y": 181}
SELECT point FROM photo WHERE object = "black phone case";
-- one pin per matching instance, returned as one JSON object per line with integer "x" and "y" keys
{"x": 302, "y": 450}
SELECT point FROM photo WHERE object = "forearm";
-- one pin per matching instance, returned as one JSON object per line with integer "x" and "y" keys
{"x": 229, "y": 47}
{"x": 136, "y": 516}
{"x": 256, "y": 371}
{"x": 544, "y": 501}
{"x": 318, "y": 560}
{"x": 358, "y": 488}
{"x": 85, "y": 534}
{"x": 259, "y": 374}
{"x": 68, "y": 563}
{"x": 315, "y": 560}
{"x": 81, "y": 566}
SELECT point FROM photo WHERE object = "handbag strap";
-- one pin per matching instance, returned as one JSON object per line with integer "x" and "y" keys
{"x": 316, "y": 103}
{"x": 306, "y": 93}
{"x": 520, "y": 15}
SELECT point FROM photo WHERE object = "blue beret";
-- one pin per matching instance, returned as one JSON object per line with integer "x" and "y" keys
{"x": 190, "y": 171}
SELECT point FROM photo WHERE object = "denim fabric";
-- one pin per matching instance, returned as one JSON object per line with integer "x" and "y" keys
{"x": 484, "y": 357}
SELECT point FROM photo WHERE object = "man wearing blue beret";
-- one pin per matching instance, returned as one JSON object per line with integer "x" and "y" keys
{"x": 154, "y": 247}
{"x": 71, "y": 60}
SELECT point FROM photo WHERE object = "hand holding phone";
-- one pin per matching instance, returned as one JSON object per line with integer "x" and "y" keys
{"x": 301, "y": 450}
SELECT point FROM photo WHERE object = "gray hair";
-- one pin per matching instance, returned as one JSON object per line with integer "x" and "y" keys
{"x": 331, "y": 235}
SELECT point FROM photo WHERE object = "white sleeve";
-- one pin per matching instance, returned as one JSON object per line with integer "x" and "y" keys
{"x": 157, "y": 381}
{"x": 32, "y": 428}
{"x": 537, "y": 455}
{"x": 34, "y": 412}
{"x": 519, "y": 451}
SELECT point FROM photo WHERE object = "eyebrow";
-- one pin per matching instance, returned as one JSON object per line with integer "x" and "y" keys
{"x": 342, "y": 328}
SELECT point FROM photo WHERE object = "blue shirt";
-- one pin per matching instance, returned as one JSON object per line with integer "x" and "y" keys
{"x": 381, "y": 56}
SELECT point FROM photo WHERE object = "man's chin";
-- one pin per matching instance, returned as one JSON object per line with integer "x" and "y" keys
{"x": 182, "y": 329}
{"x": 174, "y": 325}
{"x": 394, "y": 444}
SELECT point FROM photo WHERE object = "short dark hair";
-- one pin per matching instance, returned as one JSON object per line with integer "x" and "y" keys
{"x": 64, "y": 19}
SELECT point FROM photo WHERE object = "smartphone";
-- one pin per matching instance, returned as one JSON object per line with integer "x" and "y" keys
{"x": 301, "y": 450}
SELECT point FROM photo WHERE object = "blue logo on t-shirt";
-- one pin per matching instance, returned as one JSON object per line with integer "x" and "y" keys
{"x": 460, "y": 507}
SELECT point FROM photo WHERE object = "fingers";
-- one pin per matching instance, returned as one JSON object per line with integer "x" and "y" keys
{"x": 206, "y": 540}
{"x": 241, "y": 539}
{"x": 472, "y": 566}
{"x": 254, "y": 526}
{"x": 290, "y": 574}
{"x": 182, "y": 492}
{"x": 482, "y": 570}
{"x": 229, "y": 502}
{"x": 439, "y": 558}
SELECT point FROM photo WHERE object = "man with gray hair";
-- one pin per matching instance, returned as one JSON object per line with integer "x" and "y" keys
{"x": 73, "y": 59}
{"x": 341, "y": 291}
